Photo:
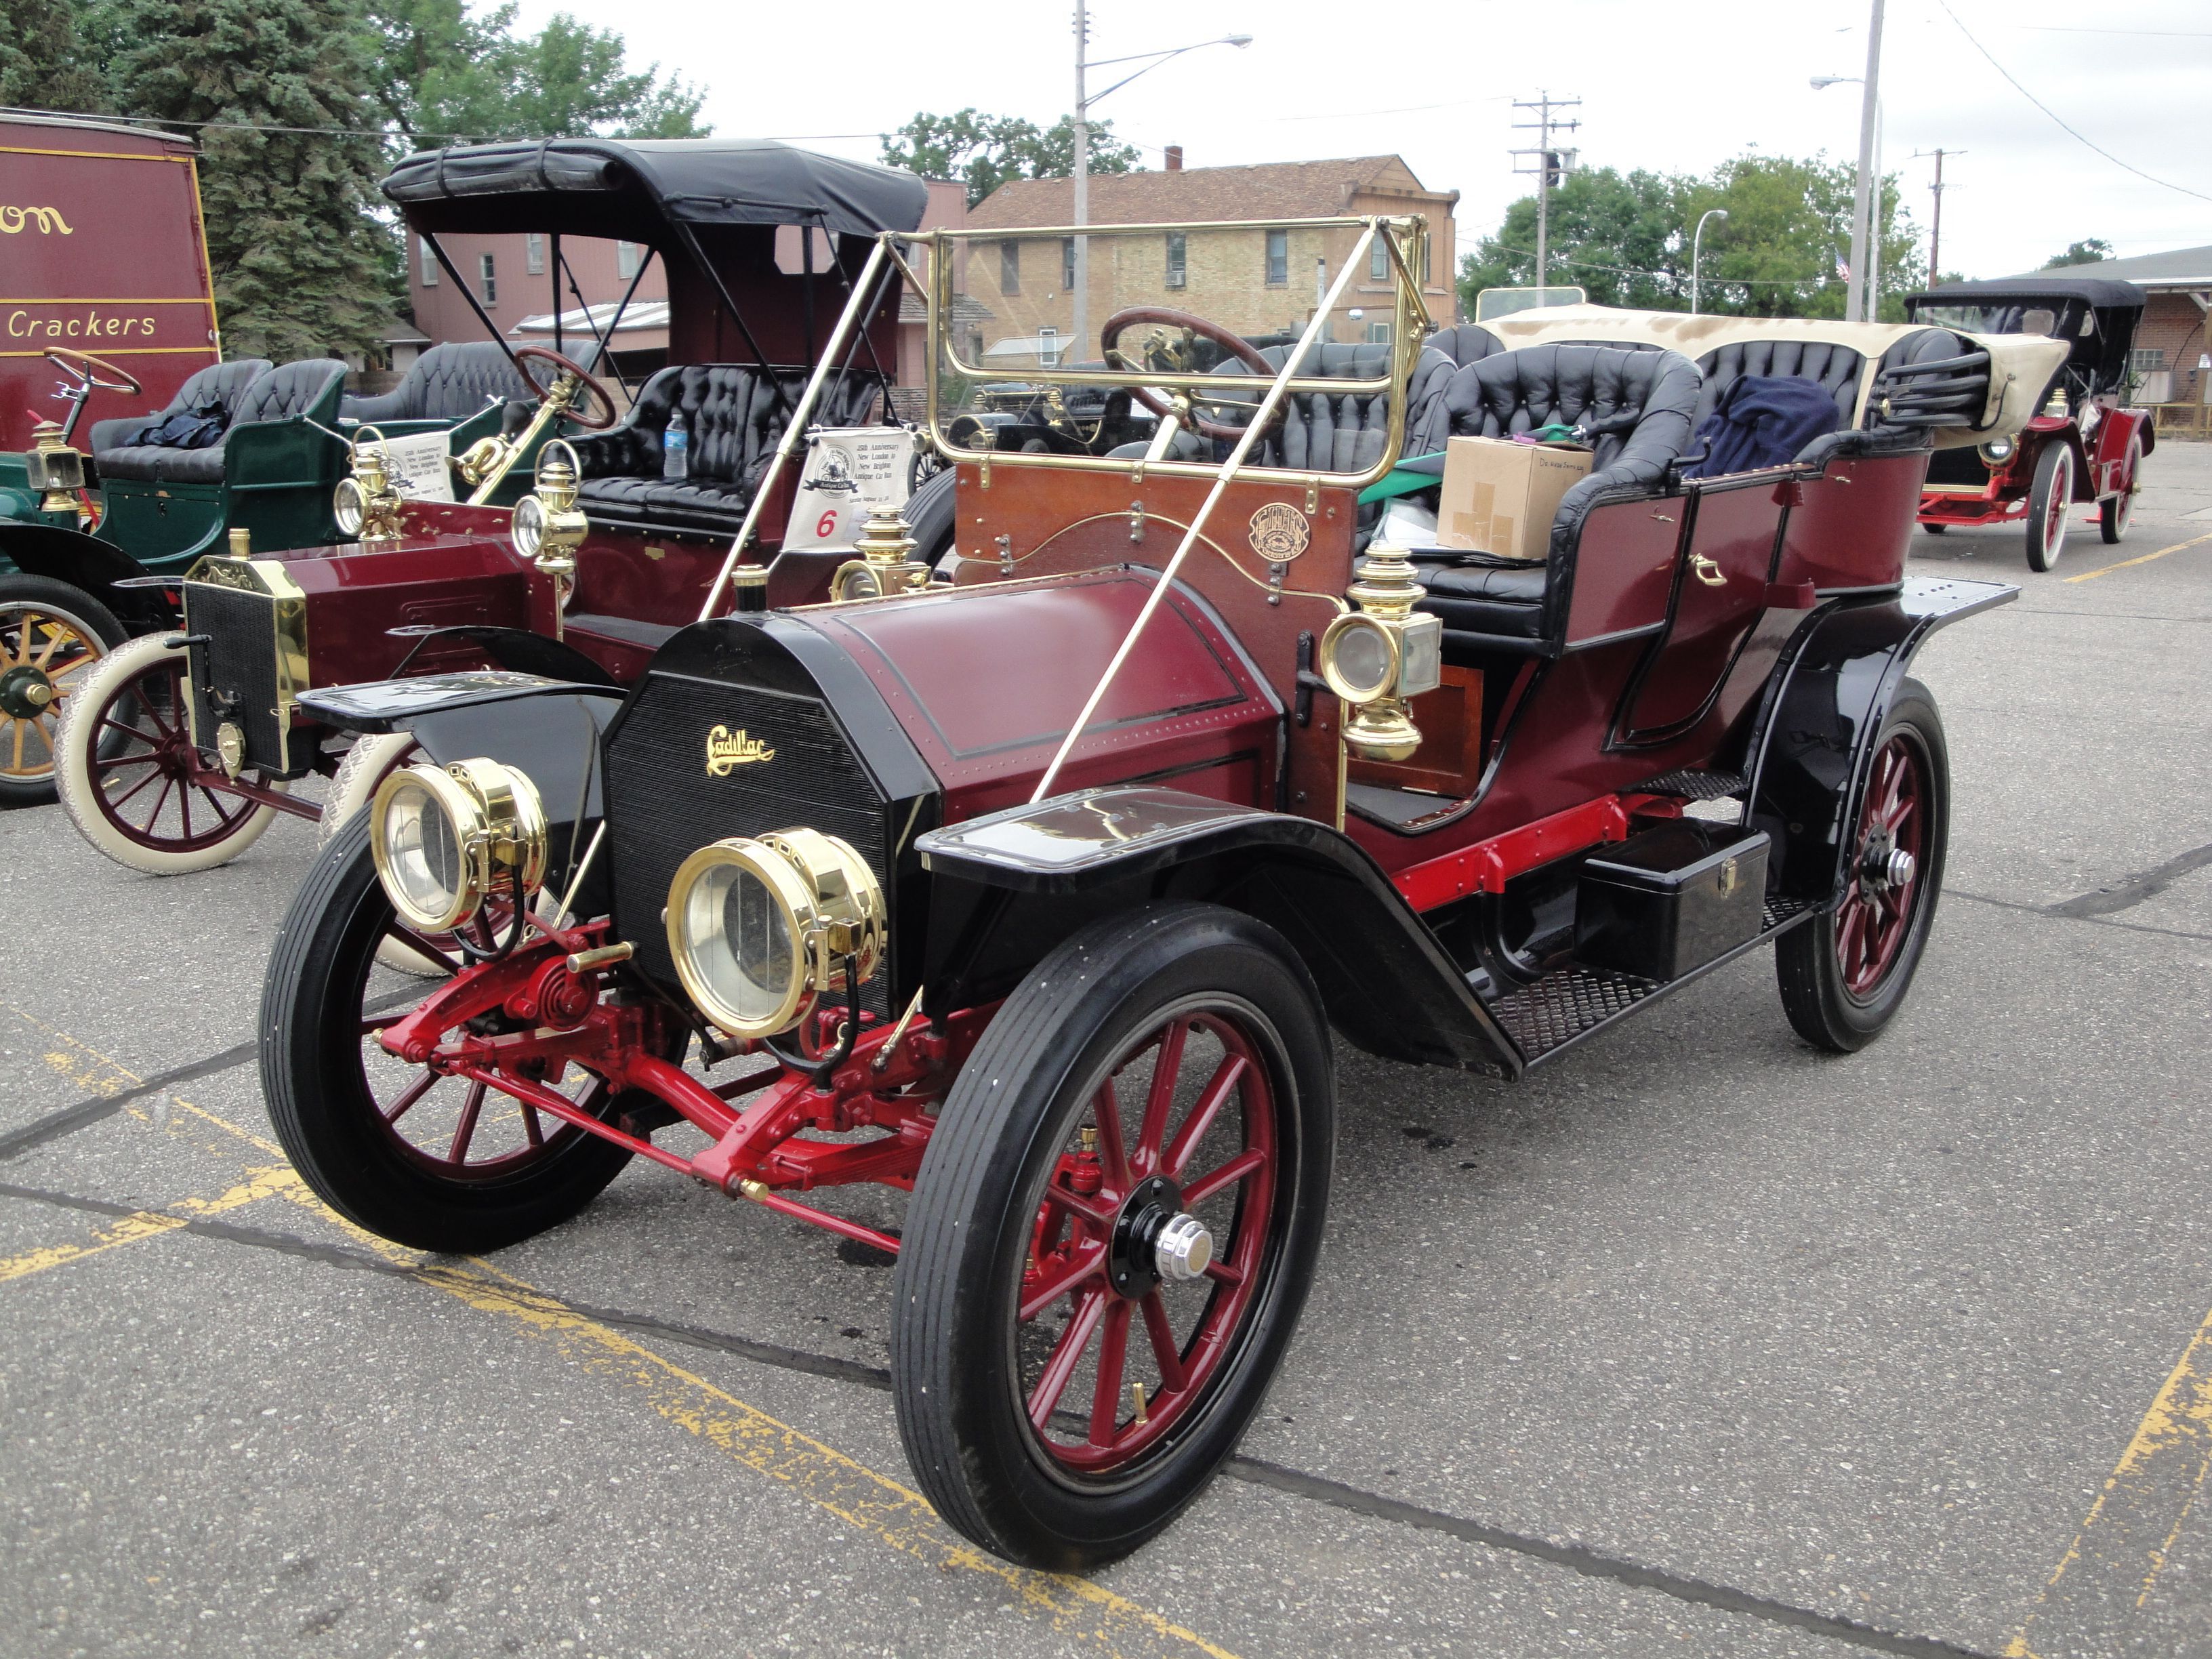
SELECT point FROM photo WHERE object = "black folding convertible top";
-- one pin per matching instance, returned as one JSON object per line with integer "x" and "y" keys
{"x": 2099, "y": 291}
{"x": 632, "y": 188}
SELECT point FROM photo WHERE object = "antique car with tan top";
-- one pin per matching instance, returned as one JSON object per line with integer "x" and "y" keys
{"x": 1000, "y": 923}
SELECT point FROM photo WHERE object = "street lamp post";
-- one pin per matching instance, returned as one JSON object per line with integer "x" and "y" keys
{"x": 1084, "y": 100}
{"x": 1697, "y": 237}
{"x": 1862, "y": 296}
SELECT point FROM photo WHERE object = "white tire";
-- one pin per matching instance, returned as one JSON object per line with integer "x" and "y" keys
{"x": 138, "y": 689}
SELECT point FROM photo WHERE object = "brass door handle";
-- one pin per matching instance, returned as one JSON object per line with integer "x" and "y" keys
{"x": 1707, "y": 571}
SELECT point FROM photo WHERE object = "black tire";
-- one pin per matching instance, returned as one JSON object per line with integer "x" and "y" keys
{"x": 956, "y": 1364}
{"x": 1936, "y": 529}
{"x": 2117, "y": 512}
{"x": 2050, "y": 500}
{"x": 1818, "y": 993}
{"x": 321, "y": 1099}
{"x": 929, "y": 517}
{"x": 29, "y": 602}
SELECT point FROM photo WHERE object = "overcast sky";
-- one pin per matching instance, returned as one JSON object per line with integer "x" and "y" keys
{"x": 1677, "y": 87}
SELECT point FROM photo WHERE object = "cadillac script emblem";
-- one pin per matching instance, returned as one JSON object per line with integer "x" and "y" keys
{"x": 726, "y": 750}
{"x": 1279, "y": 532}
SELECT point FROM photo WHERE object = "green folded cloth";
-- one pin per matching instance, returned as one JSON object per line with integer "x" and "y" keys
{"x": 1414, "y": 473}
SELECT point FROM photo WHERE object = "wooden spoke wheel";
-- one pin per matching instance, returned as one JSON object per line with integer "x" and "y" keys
{"x": 431, "y": 1160}
{"x": 52, "y": 636}
{"x": 2049, "y": 501}
{"x": 2116, "y": 514}
{"x": 1112, "y": 1232}
{"x": 133, "y": 782}
{"x": 1845, "y": 975}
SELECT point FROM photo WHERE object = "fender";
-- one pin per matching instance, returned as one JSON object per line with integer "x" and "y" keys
{"x": 85, "y": 561}
{"x": 1811, "y": 747}
{"x": 1007, "y": 887}
{"x": 515, "y": 649}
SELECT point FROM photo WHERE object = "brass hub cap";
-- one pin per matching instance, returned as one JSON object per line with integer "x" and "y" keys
{"x": 25, "y": 692}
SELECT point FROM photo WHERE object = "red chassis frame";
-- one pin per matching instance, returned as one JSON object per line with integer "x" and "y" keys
{"x": 2100, "y": 470}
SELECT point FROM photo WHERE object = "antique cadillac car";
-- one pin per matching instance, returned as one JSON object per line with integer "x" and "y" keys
{"x": 999, "y": 924}
{"x": 2080, "y": 443}
{"x": 178, "y": 750}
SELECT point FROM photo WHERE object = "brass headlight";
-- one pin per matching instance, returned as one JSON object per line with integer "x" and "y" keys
{"x": 1996, "y": 453}
{"x": 349, "y": 508}
{"x": 445, "y": 838}
{"x": 365, "y": 504}
{"x": 886, "y": 564}
{"x": 1379, "y": 656}
{"x": 761, "y": 929}
{"x": 1359, "y": 658}
{"x": 548, "y": 526}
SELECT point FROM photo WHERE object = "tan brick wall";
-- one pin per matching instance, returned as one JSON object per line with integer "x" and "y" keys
{"x": 2173, "y": 324}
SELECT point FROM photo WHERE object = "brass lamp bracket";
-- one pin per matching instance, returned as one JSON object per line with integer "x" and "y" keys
{"x": 1380, "y": 656}
{"x": 54, "y": 467}
{"x": 886, "y": 564}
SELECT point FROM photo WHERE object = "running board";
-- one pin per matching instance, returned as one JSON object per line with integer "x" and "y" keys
{"x": 1574, "y": 1002}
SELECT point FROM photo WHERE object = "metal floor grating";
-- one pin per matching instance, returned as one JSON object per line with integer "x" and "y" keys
{"x": 1694, "y": 784}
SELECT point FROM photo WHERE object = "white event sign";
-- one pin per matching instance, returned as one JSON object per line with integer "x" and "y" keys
{"x": 416, "y": 465}
{"x": 849, "y": 471}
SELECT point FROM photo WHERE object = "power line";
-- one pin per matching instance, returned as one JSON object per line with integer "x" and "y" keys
{"x": 2127, "y": 166}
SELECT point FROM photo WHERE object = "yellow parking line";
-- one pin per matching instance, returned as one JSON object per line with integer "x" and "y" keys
{"x": 871, "y": 1502}
{"x": 2091, "y": 576}
{"x": 2123, "y": 1543}
{"x": 143, "y": 1224}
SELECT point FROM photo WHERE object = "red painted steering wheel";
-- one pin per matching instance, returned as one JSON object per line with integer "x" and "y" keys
{"x": 1235, "y": 345}
{"x": 601, "y": 413}
{"x": 89, "y": 369}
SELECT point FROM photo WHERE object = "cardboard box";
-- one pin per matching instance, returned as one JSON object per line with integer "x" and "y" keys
{"x": 1500, "y": 497}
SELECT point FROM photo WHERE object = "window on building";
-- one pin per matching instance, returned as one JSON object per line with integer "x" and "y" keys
{"x": 490, "y": 279}
{"x": 1378, "y": 260}
{"x": 1279, "y": 259}
{"x": 2146, "y": 360}
{"x": 1378, "y": 334}
{"x": 627, "y": 257}
{"x": 1009, "y": 267}
{"x": 429, "y": 262}
{"x": 1178, "y": 259}
{"x": 1047, "y": 348}
{"x": 1067, "y": 264}
{"x": 533, "y": 253}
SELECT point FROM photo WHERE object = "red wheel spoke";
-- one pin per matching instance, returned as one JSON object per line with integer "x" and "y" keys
{"x": 1159, "y": 1099}
{"x": 184, "y": 806}
{"x": 117, "y": 802}
{"x": 1112, "y": 1359}
{"x": 1201, "y": 1117}
{"x": 1113, "y": 1155}
{"x": 154, "y": 816}
{"x": 1221, "y": 1272}
{"x": 1067, "y": 1354}
{"x": 465, "y": 1130}
{"x": 1086, "y": 1261}
{"x": 414, "y": 1092}
{"x": 223, "y": 818}
{"x": 1165, "y": 1351}
{"x": 124, "y": 760}
{"x": 1103, "y": 1214}
{"x": 408, "y": 936}
{"x": 1244, "y": 1164}
{"x": 376, "y": 1023}
{"x": 532, "y": 1130}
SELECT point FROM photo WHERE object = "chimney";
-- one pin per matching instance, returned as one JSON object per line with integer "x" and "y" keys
{"x": 1174, "y": 158}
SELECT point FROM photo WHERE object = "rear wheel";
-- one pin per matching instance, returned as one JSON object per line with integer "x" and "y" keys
{"x": 128, "y": 775}
{"x": 52, "y": 637}
{"x": 439, "y": 1163}
{"x": 1112, "y": 1234}
{"x": 1845, "y": 975}
{"x": 2049, "y": 501}
{"x": 2116, "y": 513}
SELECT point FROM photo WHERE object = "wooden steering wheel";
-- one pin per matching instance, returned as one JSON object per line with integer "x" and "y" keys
{"x": 1235, "y": 345}
{"x": 598, "y": 416}
{"x": 89, "y": 369}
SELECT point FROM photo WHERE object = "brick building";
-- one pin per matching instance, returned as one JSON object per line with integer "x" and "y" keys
{"x": 2170, "y": 343}
{"x": 1254, "y": 281}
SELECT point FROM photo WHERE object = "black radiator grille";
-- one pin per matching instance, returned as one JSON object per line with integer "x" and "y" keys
{"x": 234, "y": 672}
{"x": 663, "y": 805}
{"x": 1958, "y": 466}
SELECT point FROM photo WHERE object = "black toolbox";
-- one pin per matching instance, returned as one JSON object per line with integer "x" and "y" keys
{"x": 1670, "y": 900}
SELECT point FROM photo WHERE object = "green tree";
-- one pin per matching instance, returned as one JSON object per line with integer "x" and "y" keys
{"x": 444, "y": 71}
{"x": 1612, "y": 235}
{"x": 985, "y": 151}
{"x": 296, "y": 255}
{"x": 2091, "y": 249}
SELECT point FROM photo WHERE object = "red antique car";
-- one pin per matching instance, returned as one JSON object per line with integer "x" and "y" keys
{"x": 999, "y": 923}
{"x": 179, "y": 750}
{"x": 2080, "y": 443}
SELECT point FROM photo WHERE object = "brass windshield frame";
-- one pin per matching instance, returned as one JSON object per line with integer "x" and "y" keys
{"x": 1404, "y": 236}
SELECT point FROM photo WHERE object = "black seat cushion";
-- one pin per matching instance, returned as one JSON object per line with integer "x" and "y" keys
{"x": 1326, "y": 432}
{"x": 1486, "y": 599}
{"x": 1837, "y": 368}
{"x": 219, "y": 383}
{"x": 281, "y": 394}
{"x": 1465, "y": 342}
{"x": 734, "y": 420}
{"x": 448, "y": 382}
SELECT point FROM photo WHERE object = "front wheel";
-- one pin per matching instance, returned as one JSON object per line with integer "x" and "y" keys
{"x": 1112, "y": 1233}
{"x": 2049, "y": 501}
{"x": 52, "y": 636}
{"x": 1845, "y": 975}
{"x": 2115, "y": 513}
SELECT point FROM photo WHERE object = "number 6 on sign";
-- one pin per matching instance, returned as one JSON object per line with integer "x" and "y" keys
{"x": 826, "y": 526}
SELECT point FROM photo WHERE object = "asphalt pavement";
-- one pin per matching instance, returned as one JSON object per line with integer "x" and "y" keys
{"x": 1699, "y": 1342}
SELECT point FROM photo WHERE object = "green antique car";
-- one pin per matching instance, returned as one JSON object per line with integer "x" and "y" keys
{"x": 91, "y": 545}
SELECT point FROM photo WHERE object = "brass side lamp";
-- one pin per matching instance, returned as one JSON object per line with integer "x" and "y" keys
{"x": 1377, "y": 658}
{"x": 365, "y": 505}
{"x": 886, "y": 564}
{"x": 549, "y": 526}
{"x": 55, "y": 468}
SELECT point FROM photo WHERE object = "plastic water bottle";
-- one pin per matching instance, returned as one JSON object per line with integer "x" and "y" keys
{"x": 676, "y": 448}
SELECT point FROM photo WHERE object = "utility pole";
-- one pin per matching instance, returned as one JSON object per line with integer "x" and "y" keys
{"x": 1856, "y": 302}
{"x": 1936, "y": 219}
{"x": 1082, "y": 318}
{"x": 1552, "y": 163}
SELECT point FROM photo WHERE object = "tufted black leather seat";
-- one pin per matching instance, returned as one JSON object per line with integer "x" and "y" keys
{"x": 279, "y": 394}
{"x": 1322, "y": 431}
{"x": 1465, "y": 342}
{"x": 448, "y": 382}
{"x": 735, "y": 421}
{"x": 1637, "y": 405}
{"x": 1837, "y": 368}
{"x": 222, "y": 383}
